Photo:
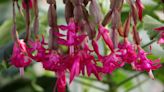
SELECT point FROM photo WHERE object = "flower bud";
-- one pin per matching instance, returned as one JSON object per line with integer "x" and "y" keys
{"x": 68, "y": 10}
{"x": 52, "y": 16}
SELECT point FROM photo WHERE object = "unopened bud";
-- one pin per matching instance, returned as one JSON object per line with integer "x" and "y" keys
{"x": 107, "y": 18}
{"x": 52, "y": 16}
{"x": 69, "y": 11}
{"x": 127, "y": 26}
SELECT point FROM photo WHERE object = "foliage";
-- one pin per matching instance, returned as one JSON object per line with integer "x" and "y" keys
{"x": 44, "y": 83}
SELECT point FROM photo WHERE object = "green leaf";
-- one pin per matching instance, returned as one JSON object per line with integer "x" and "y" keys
{"x": 152, "y": 57}
{"x": 121, "y": 75}
{"x": 149, "y": 23}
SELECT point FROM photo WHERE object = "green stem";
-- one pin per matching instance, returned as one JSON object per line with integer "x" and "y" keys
{"x": 128, "y": 79}
{"x": 90, "y": 85}
{"x": 139, "y": 84}
{"x": 111, "y": 84}
{"x": 151, "y": 42}
{"x": 94, "y": 79}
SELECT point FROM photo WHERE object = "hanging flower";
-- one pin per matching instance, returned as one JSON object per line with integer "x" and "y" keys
{"x": 127, "y": 52}
{"x": 79, "y": 62}
{"x": 61, "y": 81}
{"x": 111, "y": 62}
{"x": 19, "y": 57}
{"x": 53, "y": 62}
{"x": 106, "y": 37}
{"x": 145, "y": 64}
{"x": 72, "y": 36}
{"x": 37, "y": 50}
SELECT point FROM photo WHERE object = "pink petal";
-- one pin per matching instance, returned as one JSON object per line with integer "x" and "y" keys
{"x": 105, "y": 34}
{"x": 75, "y": 69}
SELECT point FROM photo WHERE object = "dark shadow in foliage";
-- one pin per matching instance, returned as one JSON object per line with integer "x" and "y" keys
{"x": 46, "y": 83}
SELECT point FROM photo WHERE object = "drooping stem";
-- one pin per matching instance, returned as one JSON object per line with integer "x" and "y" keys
{"x": 111, "y": 84}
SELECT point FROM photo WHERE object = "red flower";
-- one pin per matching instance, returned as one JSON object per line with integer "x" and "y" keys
{"x": 72, "y": 36}
{"x": 61, "y": 81}
{"x": 105, "y": 34}
{"x": 53, "y": 62}
{"x": 111, "y": 62}
{"x": 145, "y": 64}
{"x": 79, "y": 62}
{"x": 37, "y": 50}
{"x": 127, "y": 52}
{"x": 19, "y": 56}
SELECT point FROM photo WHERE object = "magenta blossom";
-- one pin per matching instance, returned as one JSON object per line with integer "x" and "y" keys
{"x": 145, "y": 64}
{"x": 53, "y": 62}
{"x": 127, "y": 52}
{"x": 61, "y": 81}
{"x": 161, "y": 30}
{"x": 72, "y": 36}
{"x": 81, "y": 61}
{"x": 111, "y": 62}
{"x": 106, "y": 37}
{"x": 19, "y": 56}
{"x": 37, "y": 50}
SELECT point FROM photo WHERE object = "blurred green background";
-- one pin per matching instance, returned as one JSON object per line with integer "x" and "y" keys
{"x": 36, "y": 79}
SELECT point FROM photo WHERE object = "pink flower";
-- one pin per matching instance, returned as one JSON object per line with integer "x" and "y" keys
{"x": 88, "y": 61}
{"x": 74, "y": 67}
{"x": 145, "y": 64}
{"x": 140, "y": 7}
{"x": 27, "y": 3}
{"x": 161, "y": 30}
{"x": 127, "y": 52}
{"x": 72, "y": 36}
{"x": 106, "y": 37}
{"x": 80, "y": 61}
{"x": 53, "y": 62}
{"x": 37, "y": 50}
{"x": 19, "y": 56}
{"x": 61, "y": 81}
{"x": 111, "y": 62}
